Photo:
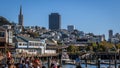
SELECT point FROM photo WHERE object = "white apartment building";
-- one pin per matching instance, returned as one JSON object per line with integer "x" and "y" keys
{"x": 29, "y": 45}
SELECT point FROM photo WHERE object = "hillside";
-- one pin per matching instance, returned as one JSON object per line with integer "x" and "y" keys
{"x": 4, "y": 21}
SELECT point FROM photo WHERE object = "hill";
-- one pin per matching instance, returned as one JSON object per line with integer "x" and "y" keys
{"x": 4, "y": 21}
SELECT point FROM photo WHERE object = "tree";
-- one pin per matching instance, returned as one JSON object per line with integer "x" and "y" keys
{"x": 72, "y": 49}
{"x": 89, "y": 48}
{"x": 33, "y": 34}
{"x": 118, "y": 46}
{"x": 106, "y": 44}
{"x": 94, "y": 46}
{"x": 101, "y": 47}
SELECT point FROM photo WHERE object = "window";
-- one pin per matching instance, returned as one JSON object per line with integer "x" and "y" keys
{"x": 2, "y": 43}
{"x": 30, "y": 44}
{"x": 2, "y": 34}
{"x": 20, "y": 44}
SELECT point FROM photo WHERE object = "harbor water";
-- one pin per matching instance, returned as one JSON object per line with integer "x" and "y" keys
{"x": 88, "y": 66}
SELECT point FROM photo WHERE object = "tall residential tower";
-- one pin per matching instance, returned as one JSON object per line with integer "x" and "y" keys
{"x": 54, "y": 21}
{"x": 110, "y": 35}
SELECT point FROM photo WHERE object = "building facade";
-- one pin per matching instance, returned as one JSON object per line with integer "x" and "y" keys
{"x": 54, "y": 21}
{"x": 6, "y": 40}
{"x": 70, "y": 28}
{"x": 29, "y": 45}
{"x": 110, "y": 35}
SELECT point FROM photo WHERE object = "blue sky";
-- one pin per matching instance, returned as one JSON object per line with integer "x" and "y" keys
{"x": 96, "y": 16}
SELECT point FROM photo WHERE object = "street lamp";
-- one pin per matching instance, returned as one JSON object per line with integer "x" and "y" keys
{"x": 115, "y": 54}
{"x": 115, "y": 60}
{"x": 109, "y": 59}
{"x": 99, "y": 62}
{"x": 85, "y": 61}
{"x": 119, "y": 56}
{"x": 115, "y": 63}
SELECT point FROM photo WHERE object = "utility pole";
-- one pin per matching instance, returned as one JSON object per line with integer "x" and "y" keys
{"x": 98, "y": 62}
{"x": 115, "y": 60}
{"x": 85, "y": 61}
{"x": 49, "y": 62}
{"x": 109, "y": 60}
{"x": 119, "y": 55}
{"x": 115, "y": 54}
{"x": 6, "y": 52}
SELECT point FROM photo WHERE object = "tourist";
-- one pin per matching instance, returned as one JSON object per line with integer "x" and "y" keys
{"x": 20, "y": 65}
{"x": 27, "y": 64}
{"x": 78, "y": 66}
{"x": 43, "y": 67}
{"x": 52, "y": 65}
{"x": 12, "y": 66}
{"x": 59, "y": 66}
{"x": 31, "y": 65}
{"x": 12, "y": 63}
{"x": 6, "y": 66}
{"x": 9, "y": 55}
{"x": 22, "y": 58}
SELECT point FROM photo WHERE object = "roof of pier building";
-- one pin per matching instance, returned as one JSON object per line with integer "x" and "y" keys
{"x": 55, "y": 47}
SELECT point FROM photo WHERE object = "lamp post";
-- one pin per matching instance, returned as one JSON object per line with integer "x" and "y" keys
{"x": 115, "y": 60}
{"x": 6, "y": 53}
{"x": 85, "y": 58}
{"x": 119, "y": 56}
{"x": 109, "y": 60}
{"x": 49, "y": 62}
{"x": 85, "y": 61}
{"x": 96, "y": 59}
{"x": 115, "y": 54}
{"x": 99, "y": 62}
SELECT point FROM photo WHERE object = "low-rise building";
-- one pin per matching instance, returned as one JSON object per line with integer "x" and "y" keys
{"x": 29, "y": 45}
{"x": 5, "y": 40}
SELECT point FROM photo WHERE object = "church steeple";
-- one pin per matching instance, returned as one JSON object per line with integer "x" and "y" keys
{"x": 20, "y": 17}
{"x": 20, "y": 10}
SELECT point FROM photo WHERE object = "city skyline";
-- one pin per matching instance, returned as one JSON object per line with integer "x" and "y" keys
{"x": 95, "y": 16}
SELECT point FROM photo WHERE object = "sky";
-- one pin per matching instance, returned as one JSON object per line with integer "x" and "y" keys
{"x": 94, "y": 16}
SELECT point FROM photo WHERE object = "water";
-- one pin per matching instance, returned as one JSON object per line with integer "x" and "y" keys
{"x": 88, "y": 66}
{"x": 83, "y": 65}
{"x": 92, "y": 66}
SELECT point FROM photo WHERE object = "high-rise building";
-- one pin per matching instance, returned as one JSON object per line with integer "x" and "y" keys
{"x": 54, "y": 21}
{"x": 20, "y": 17}
{"x": 110, "y": 34}
{"x": 70, "y": 28}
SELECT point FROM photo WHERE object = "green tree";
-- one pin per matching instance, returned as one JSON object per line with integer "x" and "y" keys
{"x": 72, "y": 49}
{"x": 106, "y": 44}
{"x": 101, "y": 47}
{"x": 94, "y": 46}
{"x": 89, "y": 48}
{"x": 118, "y": 46}
{"x": 33, "y": 34}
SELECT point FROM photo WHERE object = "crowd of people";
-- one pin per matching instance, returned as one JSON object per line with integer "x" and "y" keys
{"x": 29, "y": 62}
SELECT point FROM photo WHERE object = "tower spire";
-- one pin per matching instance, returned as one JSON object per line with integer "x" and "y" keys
{"x": 20, "y": 9}
{"x": 20, "y": 17}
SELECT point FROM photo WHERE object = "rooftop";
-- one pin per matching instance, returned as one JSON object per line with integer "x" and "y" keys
{"x": 28, "y": 38}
